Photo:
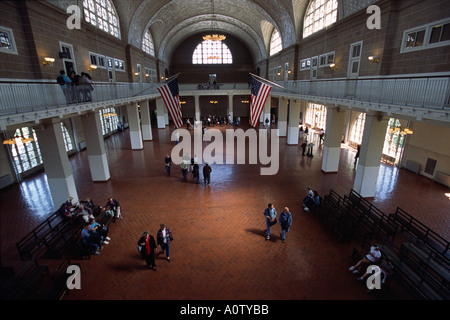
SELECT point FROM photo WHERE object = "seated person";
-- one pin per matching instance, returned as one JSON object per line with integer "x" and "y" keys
{"x": 386, "y": 270}
{"x": 311, "y": 200}
{"x": 113, "y": 207}
{"x": 68, "y": 209}
{"x": 85, "y": 214}
{"x": 88, "y": 205}
{"x": 89, "y": 240}
{"x": 99, "y": 230}
{"x": 372, "y": 258}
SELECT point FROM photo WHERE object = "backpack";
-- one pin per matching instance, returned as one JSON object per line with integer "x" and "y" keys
{"x": 60, "y": 80}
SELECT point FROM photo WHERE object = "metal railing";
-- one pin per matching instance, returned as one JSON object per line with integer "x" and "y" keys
{"x": 429, "y": 92}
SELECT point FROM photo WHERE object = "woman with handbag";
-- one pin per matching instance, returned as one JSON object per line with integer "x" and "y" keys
{"x": 163, "y": 239}
{"x": 147, "y": 248}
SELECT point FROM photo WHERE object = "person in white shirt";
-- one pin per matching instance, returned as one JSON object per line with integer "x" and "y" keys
{"x": 163, "y": 239}
{"x": 372, "y": 258}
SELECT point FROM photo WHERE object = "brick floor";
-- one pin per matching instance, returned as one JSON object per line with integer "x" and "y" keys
{"x": 219, "y": 251}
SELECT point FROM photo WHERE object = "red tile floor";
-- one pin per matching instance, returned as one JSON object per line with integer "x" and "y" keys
{"x": 219, "y": 251}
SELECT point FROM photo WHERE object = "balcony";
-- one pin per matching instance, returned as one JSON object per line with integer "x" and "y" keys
{"x": 418, "y": 97}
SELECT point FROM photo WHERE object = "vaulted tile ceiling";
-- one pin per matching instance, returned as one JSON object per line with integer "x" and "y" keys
{"x": 251, "y": 21}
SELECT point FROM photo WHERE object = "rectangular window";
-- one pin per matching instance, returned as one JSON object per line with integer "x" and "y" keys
{"x": 7, "y": 43}
{"x": 305, "y": 64}
{"x": 431, "y": 35}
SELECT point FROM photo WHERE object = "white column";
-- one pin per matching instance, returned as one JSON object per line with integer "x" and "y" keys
{"x": 56, "y": 162}
{"x": 282, "y": 116}
{"x": 135, "y": 127}
{"x": 197, "y": 110}
{"x": 370, "y": 155}
{"x": 333, "y": 136}
{"x": 294, "y": 116}
{"x": 230, "y": 106}
{"x": 160, "y": 108}
{"x": 95, "y": 145}
{"x": 146, "y": 124}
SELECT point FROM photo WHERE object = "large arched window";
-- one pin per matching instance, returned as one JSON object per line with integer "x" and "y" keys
{"x": 25, "y": 151}
{"x": 316, "y": 116}
{"x": 275, "y": 43}
{"x": 67, "y": 140}
{"x": 102, "y": 14}
{"x": 357, "y": 130}
{"x": 109, "y": 120}
{"x": 212, "y": 52}
{"x": 320, "y": 14}
{"x": 147, "y": 44}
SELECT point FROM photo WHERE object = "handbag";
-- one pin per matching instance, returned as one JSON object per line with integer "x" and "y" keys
{"x": 274, "y": 222}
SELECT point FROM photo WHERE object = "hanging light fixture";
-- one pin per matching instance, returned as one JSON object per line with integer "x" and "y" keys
{"x": 398, "y": 129}
{"x": 213, "y": 36}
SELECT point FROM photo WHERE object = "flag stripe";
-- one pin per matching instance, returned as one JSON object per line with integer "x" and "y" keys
{"x": 259, "y": 94}
{"x": 171, "y": 98}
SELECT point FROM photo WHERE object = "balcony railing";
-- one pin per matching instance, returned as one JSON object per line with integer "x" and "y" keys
{"x": 429, "y": 92}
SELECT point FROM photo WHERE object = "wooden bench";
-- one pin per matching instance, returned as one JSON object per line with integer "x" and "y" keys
{"x": 412, "y": 274}
{"x": 436, "y": 244}
{"x": 439, "y": 269}
{"x": 26, "y": 282}
{"x": 63, "y": 239}
{"x": 39, "y": 236}
{"x": 380, "y": 220}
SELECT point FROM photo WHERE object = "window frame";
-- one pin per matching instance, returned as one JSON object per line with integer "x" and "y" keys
{"x": 277, "y": 47}
{"x": 111, "y": 26}
{"x": 10, "y": 33}
{"x": 426, "y": 42}
{"x": 207, "y": 48}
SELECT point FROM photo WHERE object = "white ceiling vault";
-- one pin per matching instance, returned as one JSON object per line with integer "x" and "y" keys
{"x": 251, "y": 21}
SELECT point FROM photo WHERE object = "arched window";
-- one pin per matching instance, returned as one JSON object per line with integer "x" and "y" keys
{"x": 394, "y": 140}
{"x": 102, "y": 14}
{"x": 25, "y": 151}
{"x": 316, "y": 116}
{"x": 66, "y": 136}
{"x": 275, "y": 43}
{"x": 147, "y": 44}
{"x": 357, "y": 131}
{"x": 212, "y": 52}
{"x": 320, "y": 14}
{"x": 109, "y": 120}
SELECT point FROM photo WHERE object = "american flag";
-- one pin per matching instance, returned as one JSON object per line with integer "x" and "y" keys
{"x": 171, "y": 96}
{"x": 259, "y": 93}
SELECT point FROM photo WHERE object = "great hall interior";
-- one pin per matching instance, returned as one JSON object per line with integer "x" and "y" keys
{"x": 374, "y": 76}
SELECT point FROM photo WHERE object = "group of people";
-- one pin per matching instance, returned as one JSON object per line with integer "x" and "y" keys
{"x": 311, "y": 200}
{"x": 95, "y": 234}
{"x": 76, "y": 88}
{"x": 373, "y": 258}
{"x": 192, "y": 165}
{"x": 285, "y": 221}
{"x": 147, "y": 245}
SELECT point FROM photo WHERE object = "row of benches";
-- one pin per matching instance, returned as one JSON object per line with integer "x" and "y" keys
{"x": 35, "y": 282}
{"x": 421, "y": 262}
{"x": 352, "y": 216}
{"x": 55, "y": 234}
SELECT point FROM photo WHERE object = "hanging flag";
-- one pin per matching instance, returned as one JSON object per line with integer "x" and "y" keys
{"x": 259, "y": 94}
{"x": 171, "y": 96}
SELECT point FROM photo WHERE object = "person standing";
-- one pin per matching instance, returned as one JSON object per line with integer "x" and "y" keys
{"x": 271, "y": 218}
{"x": 196, "y": 172}
{"x": 207, "y": 174}
{"x": 304, "y": 147}
{"x": 357, "y": 153}
{"x": 65, "y": 82}
{"x": 184, "y": 169}
{"x": 163, "y": 239}
{"x": 168, "y": 163}
{"x": 147, "y": 248}
{"x": 285, "y": 222}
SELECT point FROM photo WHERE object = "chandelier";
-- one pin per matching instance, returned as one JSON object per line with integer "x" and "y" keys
{"x": 13, "y": 140}
{"x": 213, "y": 36}
{"x": 398, "y": 129}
